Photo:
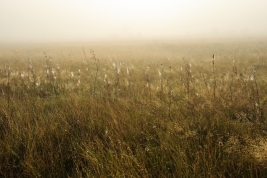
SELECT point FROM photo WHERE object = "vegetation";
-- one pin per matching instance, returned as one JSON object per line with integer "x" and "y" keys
{"x": 134, "y": 110}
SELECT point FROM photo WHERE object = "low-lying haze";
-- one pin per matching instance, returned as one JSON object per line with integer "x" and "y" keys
{"x": 67, "y": 20}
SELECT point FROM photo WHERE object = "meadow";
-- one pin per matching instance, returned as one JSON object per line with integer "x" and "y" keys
{"x": 139, "y": 109}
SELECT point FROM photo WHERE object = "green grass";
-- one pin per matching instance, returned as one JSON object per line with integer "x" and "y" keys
{"x": 60, "y": 118}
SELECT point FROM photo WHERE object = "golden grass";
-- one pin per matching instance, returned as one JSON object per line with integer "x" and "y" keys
{"x": 134, "y": 110}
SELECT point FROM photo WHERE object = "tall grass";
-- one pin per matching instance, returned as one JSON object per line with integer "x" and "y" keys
{"x": 135, "y": 114}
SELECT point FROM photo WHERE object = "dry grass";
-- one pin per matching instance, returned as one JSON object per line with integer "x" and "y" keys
{"x": 134, "y": 110}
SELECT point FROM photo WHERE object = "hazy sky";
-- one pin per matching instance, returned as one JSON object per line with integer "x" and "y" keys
{"x": 55, "y": 20}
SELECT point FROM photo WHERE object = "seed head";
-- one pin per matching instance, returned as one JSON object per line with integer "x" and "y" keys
{"x": 159, "y": 73}
{"x": 37, "y": 84}
{"x": 78, "y": 83}
{"x": 127, "y": 71}
{"x": 114, "y": 65}
{"x": 105, "y": 78}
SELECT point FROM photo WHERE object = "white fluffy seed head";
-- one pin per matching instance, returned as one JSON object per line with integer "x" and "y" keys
{"x": 53, "y": 72}
{"x": 37, "y": 84}
{"x": 127, "y": 70}
{"x": 105, "y": 78}
{"x": 159, "y": 73}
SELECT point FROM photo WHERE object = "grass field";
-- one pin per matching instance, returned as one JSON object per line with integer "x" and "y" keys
{"x": 140, "y": 109}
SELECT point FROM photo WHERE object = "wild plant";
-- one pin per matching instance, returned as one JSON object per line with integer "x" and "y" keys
{"x": 73, "y": 134}
{"x": 188, "y": 77}
{"x": 93, "y": 57}
{"x": 255, "y": 96}
{"x": 107, "y": 85}
{"x": 214, "y": 77}
{"x": 147, "y": 88}
{"x": 161, "y": 81}
{"x": 8, "y": 89}
{"x": 117, "y": 73}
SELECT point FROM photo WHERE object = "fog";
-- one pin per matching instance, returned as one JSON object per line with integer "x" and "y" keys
{"x": 85, "y": 20}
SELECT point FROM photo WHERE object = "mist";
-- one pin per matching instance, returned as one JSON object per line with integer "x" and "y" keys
{"x": 66, "y": 20}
